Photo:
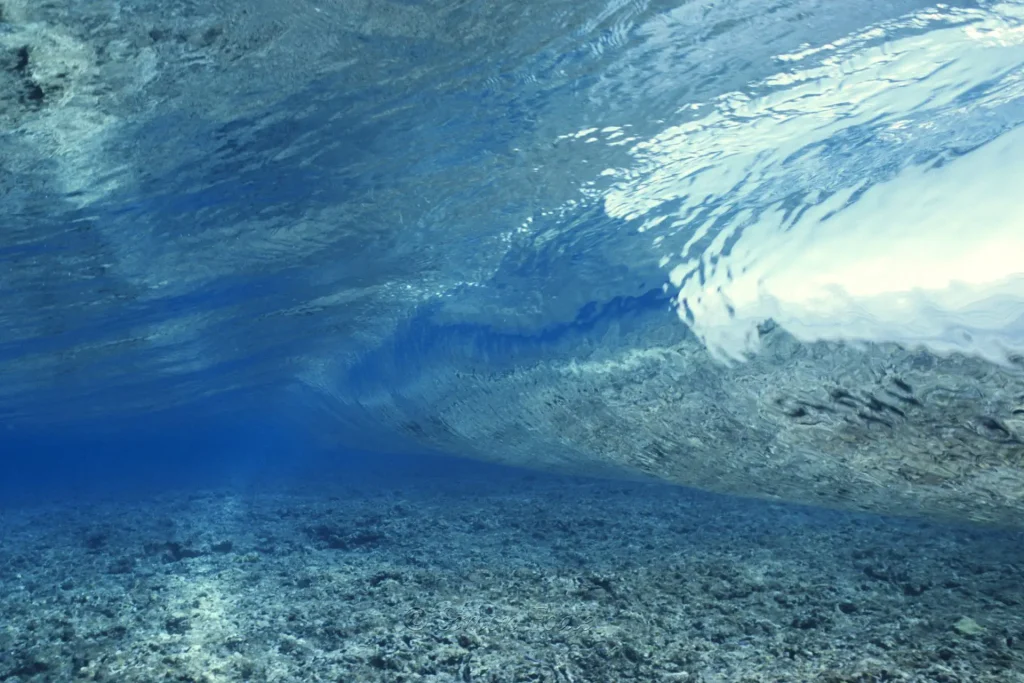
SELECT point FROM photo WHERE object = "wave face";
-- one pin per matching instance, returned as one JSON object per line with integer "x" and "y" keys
{"x": 768, "y": 248}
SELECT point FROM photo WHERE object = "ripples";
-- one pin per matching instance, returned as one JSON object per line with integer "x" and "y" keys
{"x": 252, "y": 192}
{"x": 862, "y": 193}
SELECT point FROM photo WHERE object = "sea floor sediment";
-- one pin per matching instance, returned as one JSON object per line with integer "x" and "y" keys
{"x": 523, "y": 579}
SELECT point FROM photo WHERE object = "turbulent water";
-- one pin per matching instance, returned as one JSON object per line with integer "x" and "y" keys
{"x": 767, "y": 248}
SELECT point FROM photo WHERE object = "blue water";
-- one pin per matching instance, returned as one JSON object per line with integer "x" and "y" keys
{"x": 773, "y": 249}
{"x": 411, "y": 230}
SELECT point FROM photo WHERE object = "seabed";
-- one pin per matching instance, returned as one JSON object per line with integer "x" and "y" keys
{"x": 527, "y": 579}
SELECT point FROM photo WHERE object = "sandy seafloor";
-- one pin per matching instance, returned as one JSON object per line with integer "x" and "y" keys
{"x": 517, "y": 578}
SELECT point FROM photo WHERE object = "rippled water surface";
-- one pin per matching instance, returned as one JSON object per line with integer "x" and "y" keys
{"x": 771, "y": 248}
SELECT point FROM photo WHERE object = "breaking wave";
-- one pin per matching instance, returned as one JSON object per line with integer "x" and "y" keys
{"x": 766, "y": 248}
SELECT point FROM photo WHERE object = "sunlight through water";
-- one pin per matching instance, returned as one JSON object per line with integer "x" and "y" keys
{"x": 899, "y": 236}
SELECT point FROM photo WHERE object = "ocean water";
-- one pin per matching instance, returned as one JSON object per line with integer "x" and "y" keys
{"x": 429, "y": 341}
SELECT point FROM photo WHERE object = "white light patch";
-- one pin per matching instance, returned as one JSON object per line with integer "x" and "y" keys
{"x": 933, "y": 257}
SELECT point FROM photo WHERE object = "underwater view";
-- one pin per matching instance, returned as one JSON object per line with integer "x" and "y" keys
{"x": 437, "y": 341}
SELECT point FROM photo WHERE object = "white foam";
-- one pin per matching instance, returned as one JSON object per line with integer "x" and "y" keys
{"x": 931, "y": 257}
